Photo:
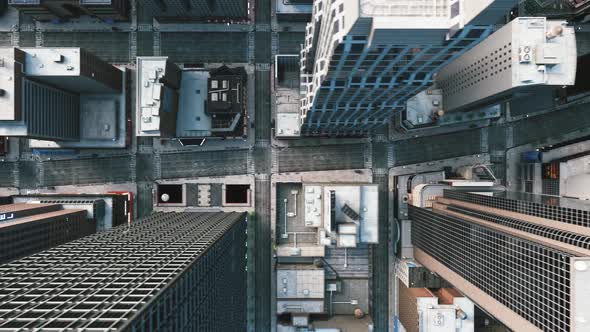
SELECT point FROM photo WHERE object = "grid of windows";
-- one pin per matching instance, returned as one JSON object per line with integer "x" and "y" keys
{"x": 166, "y": 272}
{"x": 531, "y": 279}
{"x": 550, "y": 186}
{"x": 550, "y": 207}
{"x": 364, "y": 86}
{"x": 48, "y": 227}
{"x": 544, "y": 231}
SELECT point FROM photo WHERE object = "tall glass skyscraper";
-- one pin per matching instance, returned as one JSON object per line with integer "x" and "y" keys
{"x": 166, "y": 272}
{"x": 362, "y": 60}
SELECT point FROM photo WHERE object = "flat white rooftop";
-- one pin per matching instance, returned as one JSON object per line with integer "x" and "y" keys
{"x": 149, "y": 72}
{"x": 362, "y": 199}
{"x": 52, "y": 61}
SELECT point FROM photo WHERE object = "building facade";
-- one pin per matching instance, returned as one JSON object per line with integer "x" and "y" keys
{"x": 47, "y": 88}
{"x": 106, "y": 210}
{"x": 521, "y": 257}
{"x": 527, "y": 56}
{"x": 166, "y": 272}
{"x": 362, "y": 60}
{"x": 187, "y": 9}
{"x": 27, "y": 228}
{"x": 524, "y": 54}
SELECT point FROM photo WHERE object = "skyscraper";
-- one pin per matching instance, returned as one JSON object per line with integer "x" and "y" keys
{"x": 363, "y": 59}
{"x": 166, "y": 272}
{"x": 521, "y": 257}
{"x": 27, "y": 228}
{"x": 45, "y": 89}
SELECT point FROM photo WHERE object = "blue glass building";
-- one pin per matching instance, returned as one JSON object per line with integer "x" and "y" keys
{"x": 362, "y": 60}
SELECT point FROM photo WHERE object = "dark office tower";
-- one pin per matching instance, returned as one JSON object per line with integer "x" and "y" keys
{"x": 46, "y": 10}
{"x": 26, "y": 228}
{"x": 523, "y": 258}
{"x": 165, "y": 272}
{"x": 107, "y": 210}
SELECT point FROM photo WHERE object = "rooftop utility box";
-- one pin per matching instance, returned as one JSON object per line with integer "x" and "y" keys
{"x": 300, "y": 289}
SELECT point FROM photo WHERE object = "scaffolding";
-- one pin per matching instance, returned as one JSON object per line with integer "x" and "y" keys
{"x": 168, "y": 271}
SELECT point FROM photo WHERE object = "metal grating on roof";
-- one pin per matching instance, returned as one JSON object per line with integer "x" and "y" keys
{"x": 137, "y": 278}
{"x": 548, "y": 232}
{"x": 530, "y": 279}
{"x": 569, "y": 211}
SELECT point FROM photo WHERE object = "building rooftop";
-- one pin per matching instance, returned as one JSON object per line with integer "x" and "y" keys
{"x": 149, "y": 93}
{"x": 353, "y": 218}
{"x": 192, "y": 121}
{"x": 73, "y": 86}
{"x": 11, "y": 73}
{"x": 297, "y": 7}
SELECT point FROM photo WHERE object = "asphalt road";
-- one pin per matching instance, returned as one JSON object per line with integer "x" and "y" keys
{"x": 262, "y": 107}
{"x": 114, "y": 169}
{"x": 195, "y": 164}
{"x": 262, "y": 276}
{"x": 95, "y": 42}
{"x": 380, "y": 257}
{"x": 322, "y": 158}
{"x": 261, "y": 154}
{"x": 197, "y": 47}
{"x": 430, "y": 148}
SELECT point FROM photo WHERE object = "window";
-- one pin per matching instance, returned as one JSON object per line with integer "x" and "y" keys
{"x": 214, "y": 96}
{"x": 224, "y": 84}
{"x": 455, "y": 9}
{"x": 224, "y": 96}
{"x": 214, "y": 84}
{"x": 341, "y": 8}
